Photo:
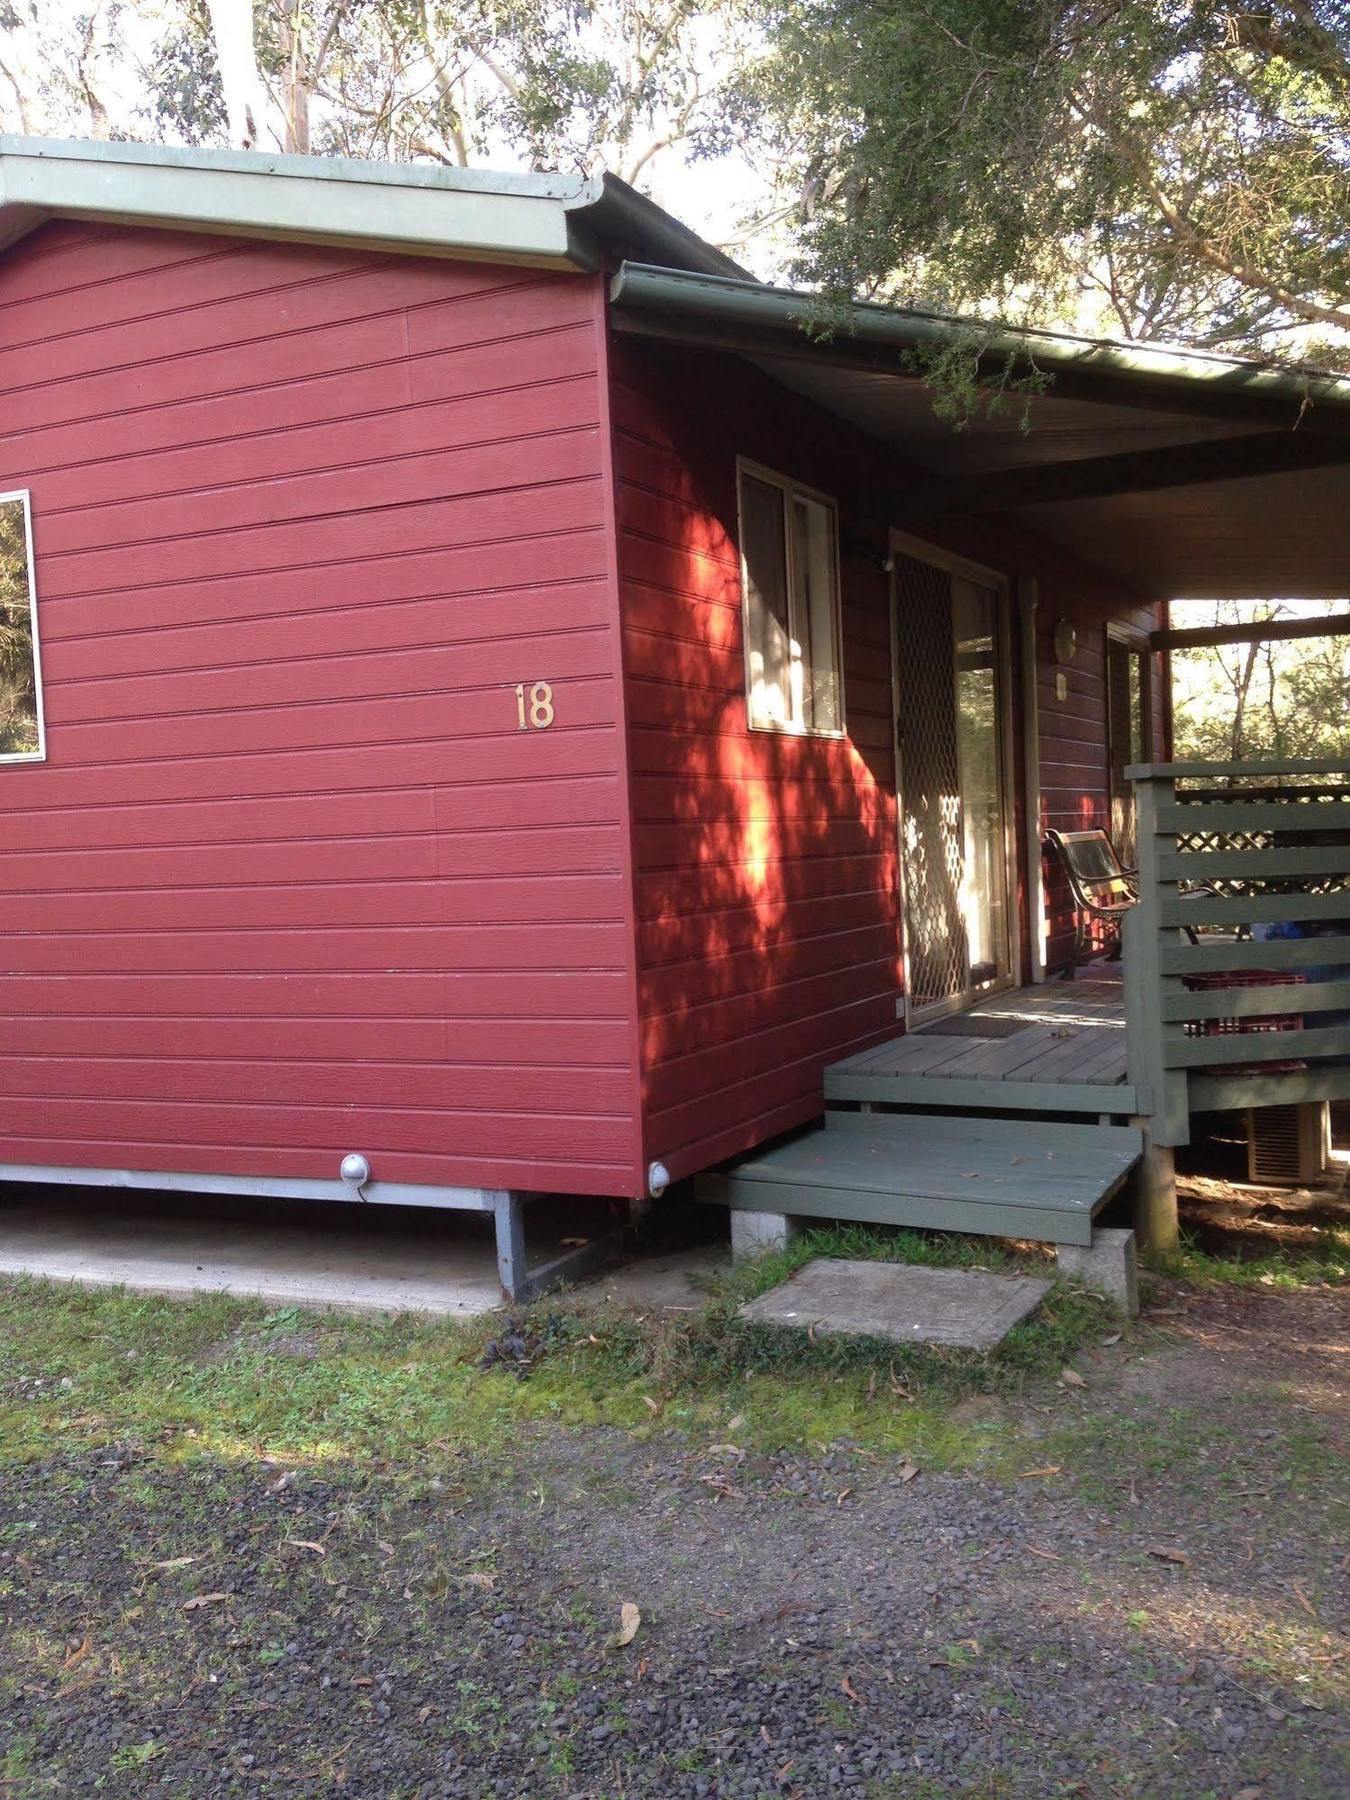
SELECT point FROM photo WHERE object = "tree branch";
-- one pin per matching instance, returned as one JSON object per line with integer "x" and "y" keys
{"x": 1310, "y": 311}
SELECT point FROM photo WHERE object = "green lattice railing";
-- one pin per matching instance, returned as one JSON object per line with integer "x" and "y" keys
{"x": 1227, "y": 852}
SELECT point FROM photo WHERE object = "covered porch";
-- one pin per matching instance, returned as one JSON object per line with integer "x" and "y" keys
{"x": 1179, "y": 475}
{"x": 1025, "y": 1114}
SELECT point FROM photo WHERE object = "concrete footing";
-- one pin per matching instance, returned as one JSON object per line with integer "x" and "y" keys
{"x": 1106, "y": 1264}
{"x": 752, "y": 1233}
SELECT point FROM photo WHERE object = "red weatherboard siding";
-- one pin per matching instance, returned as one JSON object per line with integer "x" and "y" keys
{"x": 764, "y": 863}
{"x": 292, "y": 881}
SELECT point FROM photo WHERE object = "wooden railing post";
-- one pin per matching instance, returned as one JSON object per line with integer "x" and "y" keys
{"x": 1161, "y": 1091}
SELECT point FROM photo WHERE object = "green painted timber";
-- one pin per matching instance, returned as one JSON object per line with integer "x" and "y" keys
{"x": 1254, "y": 631}
{"x": 1275, "y": 953}
{"x": 1256, "y": 1002}
{"x": 1054, "y": 1136}
{"x": 1185, "y": 1073}
{"x": 1185, "y": 817}
{"x": 1250, "y": 909}
{"x": 842, "y": 1083}
{"x": 1142, "y": 941}
{"x": 1014, "y": 1178}
{"x": 1226, "y": 771}
{"x": 1256, "y": 1047}
{"x": 1220, "y": 1093}
{"x": 1279, "y": 862}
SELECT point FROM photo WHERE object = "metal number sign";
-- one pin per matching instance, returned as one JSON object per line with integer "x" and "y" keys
{"x": 535, "y": 709}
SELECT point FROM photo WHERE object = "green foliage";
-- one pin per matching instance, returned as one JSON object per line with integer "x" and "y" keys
{"x": 185, "y": 92}
{"x": 1326, "y": 1259}
{"x": 1271, "y": 700}
{"x": 1177, "y": 170}
{"x": 561, "y": 83}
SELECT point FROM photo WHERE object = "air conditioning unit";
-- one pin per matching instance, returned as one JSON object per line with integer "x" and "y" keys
{"x": 1288, "y": 1146}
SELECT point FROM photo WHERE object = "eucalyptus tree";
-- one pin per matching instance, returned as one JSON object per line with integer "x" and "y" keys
{"x": 572, "y": 84}
{"x": 555, "y": 83}
{"x": 1170, "y": 169}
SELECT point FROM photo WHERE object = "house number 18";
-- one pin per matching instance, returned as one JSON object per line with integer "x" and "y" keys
{"x": 535, "y": 705}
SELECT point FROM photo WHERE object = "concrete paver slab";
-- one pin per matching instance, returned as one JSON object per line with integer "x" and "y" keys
{"x": 903, "y": 1302}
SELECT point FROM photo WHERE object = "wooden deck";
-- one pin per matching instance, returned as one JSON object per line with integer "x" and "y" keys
{"x": 1066, "y": 1055}
{"x": 1023, "y": 1178}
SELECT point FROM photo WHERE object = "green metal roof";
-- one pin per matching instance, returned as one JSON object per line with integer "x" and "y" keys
{"x": 1269, "y": 529}
{"x": 552, "y": 221}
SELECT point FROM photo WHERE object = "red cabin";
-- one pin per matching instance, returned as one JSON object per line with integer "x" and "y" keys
{"x": 478, "y": 640}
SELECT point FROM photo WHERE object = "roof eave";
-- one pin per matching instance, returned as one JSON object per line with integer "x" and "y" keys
{"x": 617, "y": 214}
{"x": 408, "y": 208}
{"x": 779, "y": 321}
{"x": 542, "y": 220}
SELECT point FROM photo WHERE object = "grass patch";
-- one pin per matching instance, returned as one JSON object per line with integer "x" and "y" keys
{"x": 225, "y": 1377}
{"x": 1325, "y": 1259}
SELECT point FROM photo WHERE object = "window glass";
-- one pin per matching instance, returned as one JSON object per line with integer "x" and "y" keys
{"x": 791, "y": 607}
{"x": 814, "y": 569}
{"x": 20, "y": 704}
{"x": 979, "y": 757}
{"x": 1138, "y": 734}
{"x": 768, "y": 631}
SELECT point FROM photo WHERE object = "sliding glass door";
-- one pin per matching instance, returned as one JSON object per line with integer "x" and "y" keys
{"x": 951, "y": 700}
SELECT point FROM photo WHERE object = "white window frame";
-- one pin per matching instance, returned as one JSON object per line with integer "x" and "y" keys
{"x": 789, "y": 488}
{"x": 40, "y": 754}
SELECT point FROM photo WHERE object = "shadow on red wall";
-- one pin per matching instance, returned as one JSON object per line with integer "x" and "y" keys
{"x": 765, "y": 861}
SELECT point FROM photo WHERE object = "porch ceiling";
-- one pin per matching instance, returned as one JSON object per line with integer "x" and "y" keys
{"x": 1173, "y": 529}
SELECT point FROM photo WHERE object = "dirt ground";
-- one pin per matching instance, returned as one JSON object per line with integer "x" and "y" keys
{"x": 1150, "y": 1598}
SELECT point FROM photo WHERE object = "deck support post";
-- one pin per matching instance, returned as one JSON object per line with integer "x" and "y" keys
{"x": 752, "y": 1233}
{"x": 1155, "y": 1196}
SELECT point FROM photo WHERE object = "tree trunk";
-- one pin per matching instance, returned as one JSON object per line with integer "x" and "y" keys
{"x": 1240, "y": 709}
{"x": 294, "y": 85}
{"x": 232, "y": 30}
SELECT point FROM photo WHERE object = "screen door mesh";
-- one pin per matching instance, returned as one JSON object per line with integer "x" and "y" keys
{"x": 931, "y": 830}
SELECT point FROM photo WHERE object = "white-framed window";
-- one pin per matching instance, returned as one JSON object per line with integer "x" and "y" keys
{"x": 790, "y": 583}
{"x": 21, "y": 734}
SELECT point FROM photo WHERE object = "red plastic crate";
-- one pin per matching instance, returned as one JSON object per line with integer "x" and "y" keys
{"x": 1255, "y": 1024}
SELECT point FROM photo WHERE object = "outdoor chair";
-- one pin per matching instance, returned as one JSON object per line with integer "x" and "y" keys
{"x": 1102, "y": 888}
{"x": 1100, "y": 884}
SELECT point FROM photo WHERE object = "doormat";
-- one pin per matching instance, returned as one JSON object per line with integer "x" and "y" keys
{"x": 975, "y": 1025}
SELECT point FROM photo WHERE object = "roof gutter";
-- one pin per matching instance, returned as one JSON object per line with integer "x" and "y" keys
{"x": 753, "y": 319}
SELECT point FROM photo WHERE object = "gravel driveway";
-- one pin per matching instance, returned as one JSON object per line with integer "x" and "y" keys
{"x": 1154, "y": 1604}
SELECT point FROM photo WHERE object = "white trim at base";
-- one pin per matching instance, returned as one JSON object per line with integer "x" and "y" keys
{"x": 265, "y": 1187}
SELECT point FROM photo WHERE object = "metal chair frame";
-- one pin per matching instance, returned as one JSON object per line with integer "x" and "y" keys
{"x": 1106, "y": 891}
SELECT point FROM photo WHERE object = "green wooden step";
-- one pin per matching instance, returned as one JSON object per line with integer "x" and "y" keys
{"x": 1008, "y": 1178}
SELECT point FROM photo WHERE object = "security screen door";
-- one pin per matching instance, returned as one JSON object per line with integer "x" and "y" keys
{"x": 950, "y": 695}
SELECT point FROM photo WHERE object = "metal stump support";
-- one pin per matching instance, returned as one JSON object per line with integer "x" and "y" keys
{"x": 520, "y": 1283}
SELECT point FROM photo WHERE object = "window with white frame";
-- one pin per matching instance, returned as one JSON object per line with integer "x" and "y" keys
{"x": 790, "y": 579}
{"x": 21, "y": 738}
